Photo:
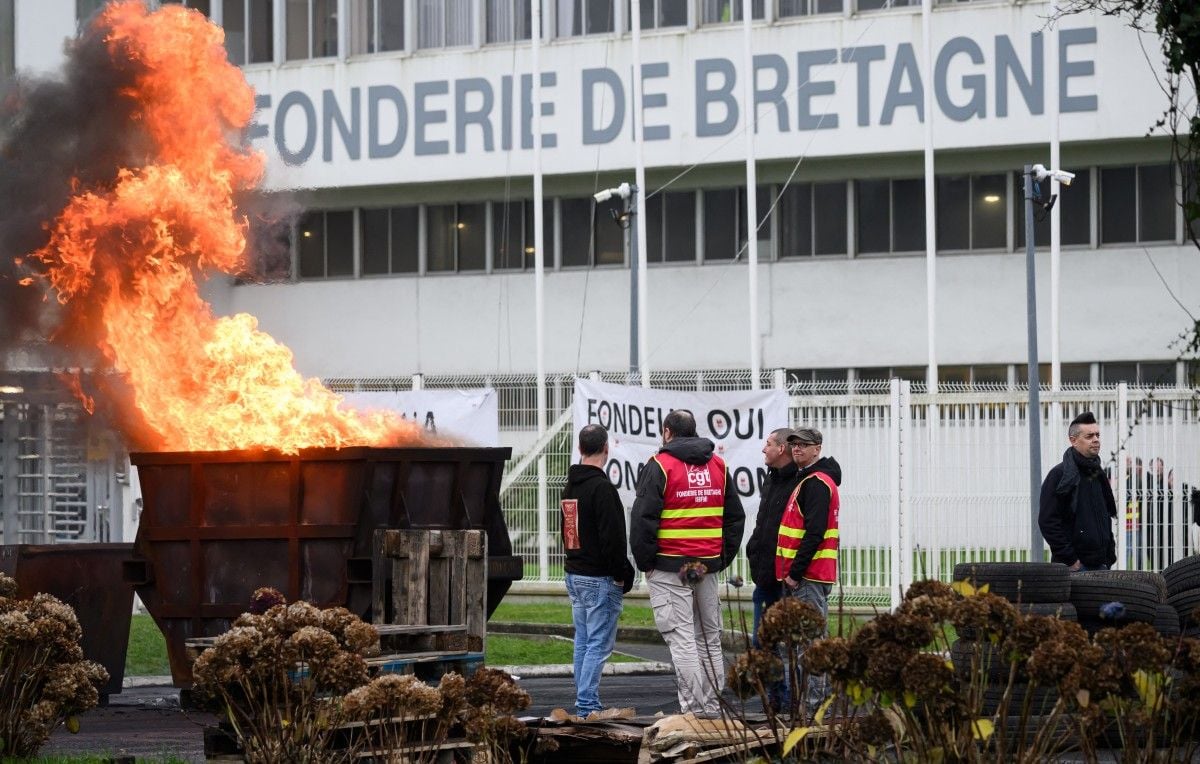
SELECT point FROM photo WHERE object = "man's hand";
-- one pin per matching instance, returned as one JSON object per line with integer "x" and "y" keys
{"x": 789, "y": 583}
{"x": 1076, "y": 566}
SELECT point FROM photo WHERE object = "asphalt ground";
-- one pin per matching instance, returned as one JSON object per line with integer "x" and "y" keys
{"x": 146, "y": 721}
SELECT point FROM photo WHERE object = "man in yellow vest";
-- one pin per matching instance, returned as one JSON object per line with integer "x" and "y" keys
{"x": 807, "y": 553}
{"x": 687, "y": 510}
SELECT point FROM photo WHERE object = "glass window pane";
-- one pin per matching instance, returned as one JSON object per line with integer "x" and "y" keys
{"x": 1156, "y": 203}
{"x": 600, "y": 16}
{"x": 955, "y": 375}
{"x": 1118, "y": 205}
{"x": 829, "y": 212}
{"x": 648, "y": 16}
{"x": 953, "y": 212}
{"x": 671, "y": 13}
{"x": 1076, "y": 204}
{"x": 204, "y": 6}
{"x": 234, "y": 23}
{"x": 440, "y": 230}
{"x": 610, "y": 236}
{"x": 829, "y": 6}
{"x": 1115, "y": 373}
{"x": 570, "y": 18}
{"x": 717, "y": 11}
{"x": 406, "y": 235}
{"x": 508, "y": 238}
{"x": 576, "y": 231}
{"x": 431, "y": 23}
{"x": 459, "y": 18}
{"x": 654, "y": 229}
{"x": 793, "y": 8}
{"x": 681, "y": 226}
{"x": 472, "y": 236}
{"x": 498, "y": 20}
{"x": 989, "y": 212}
{"x": 262, "y": 31}
{"x": 720, "y": 224}
{"x": 795, "y": 221}
{"x": 1076, "y": 373}
{"x": 311, "y": 245}
{"x": 990, "y": 375}
{"x": 908, "y": 215}
{"x": 762, "y": 226}
{"x": 391, "y": 25}
{"x": 1157, "y": 373}
{"x": 873, "y": 215}
{"x": 339, "y": 243}
{"x": 361, "y": 33}
{"x": 376, "y": 257}
{"x": 325, "y": 28}
{"x": 297, "y": 29}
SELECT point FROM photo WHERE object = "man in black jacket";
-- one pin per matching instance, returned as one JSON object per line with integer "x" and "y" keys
{"x": 760, "y": 549}
{"x": 598, "y": 571}
{"x": 686, "y": 526}
{"x": 1077, "y": 505}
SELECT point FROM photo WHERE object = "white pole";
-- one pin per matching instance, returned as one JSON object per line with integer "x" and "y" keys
{"x": 751, "y": 189}
{"x": 1055, "y": 188}
{"x": 931, "y": 373}
{"x": 539, "y": 287}
{"x": 640, "y": 180}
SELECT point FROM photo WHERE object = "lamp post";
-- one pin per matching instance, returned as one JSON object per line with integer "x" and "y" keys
{"x": 628, "y": 193}
{"x": 1034, "y": 173}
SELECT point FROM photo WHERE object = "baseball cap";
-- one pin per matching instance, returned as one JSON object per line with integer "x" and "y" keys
{"x": 806, "y": 436}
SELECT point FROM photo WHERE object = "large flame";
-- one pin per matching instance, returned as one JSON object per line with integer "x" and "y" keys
{"x": 125, "y": 255}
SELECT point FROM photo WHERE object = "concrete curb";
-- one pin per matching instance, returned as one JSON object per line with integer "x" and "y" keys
{"x": 730, "y": 640}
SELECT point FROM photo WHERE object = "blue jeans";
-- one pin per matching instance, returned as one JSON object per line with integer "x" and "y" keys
{"x": 817, "y": 595}
{"x": 595, "y": 606}
{"x": 763, "y": 598}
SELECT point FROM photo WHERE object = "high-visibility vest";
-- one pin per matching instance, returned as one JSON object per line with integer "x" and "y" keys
{"x": 823, "y": 567}
{"x": 1132, "y": 514}
{"x": 692, "y": 520}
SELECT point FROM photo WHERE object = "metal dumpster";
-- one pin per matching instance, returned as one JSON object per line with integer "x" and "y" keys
{"x": 215, "y": 526}
{"x": 88, "y": 577}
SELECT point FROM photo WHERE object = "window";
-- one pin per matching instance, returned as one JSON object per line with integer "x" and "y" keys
{"x": 1137, "y": 204}
{"x": 455, "y": 237}
{"x": 580, "y": 17}
{"x": 890, "y": 215}
{"x": 720, "y": 224}
{"x": 325, "y": 244}
{"x": 1074, "y": 203}
{"x": 512, "y": 234}
{"x": 312, "y": 29}
{"x": 444, "y": 23}
{"x": 671, "y": 227}
{"x": 1157, "y": 373}
{"x": 762, "y": 226}
{"x": 658, "y": 14}
{"x": 203, "y": 6}
{"x": 726, "y": 11}
{"x": 990, "y": 375}
{"x": 1076, "y": 373}
{"x": 8, "y": 39}
{"x": 509, "y": 20}
{"x": 812, "y": 219}
{"x": 789, "y": 8}
{"x": 249, "y": 31}
{"x": 877, "y": 5}
{"x": 971, "y": 212}
{"x": 589, "y": 234}
{"x": 376, "y": 26}
{"x": 390, "y": 240}
{"x": 1116, "y": 373}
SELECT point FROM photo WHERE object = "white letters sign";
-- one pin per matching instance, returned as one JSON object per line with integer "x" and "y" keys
{"x": 470, "y": 416}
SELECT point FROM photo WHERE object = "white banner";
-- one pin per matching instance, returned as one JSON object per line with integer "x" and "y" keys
{"x": 737, "y": 422}
{"x": 471, "y": 416}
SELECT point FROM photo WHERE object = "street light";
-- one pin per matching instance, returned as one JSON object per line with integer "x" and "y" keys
{"x": 1035, "y": 173}
{"x": 628, "y": 220}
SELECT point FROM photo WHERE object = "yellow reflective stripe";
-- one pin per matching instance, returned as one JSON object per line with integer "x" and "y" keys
{"x": 786, "y": 553}
{"x": 825, "y": 554}
{"x": 794, "y": 533}
{"x": 832, "y": 533}
{"x": 669, "y": 514}
{"x": 690, "y": 533}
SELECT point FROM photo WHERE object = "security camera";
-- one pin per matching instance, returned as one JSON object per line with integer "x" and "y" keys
{"x": 623, "y": 191}
{"x": 1062, "y": 176}
{"x": 603, "y": 196}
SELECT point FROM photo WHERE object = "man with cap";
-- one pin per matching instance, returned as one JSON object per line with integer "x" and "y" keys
{"x": 806, "y": 555}
{"x": 685, "y": 527}
{"x": 1077, "y": 505}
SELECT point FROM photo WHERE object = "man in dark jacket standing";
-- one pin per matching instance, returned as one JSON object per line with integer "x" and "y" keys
{"x": 1077, "y": 505}
{"x": 686, "y": 526}
{"x": 598, "y": 572}
{"x": 760, "y": 549}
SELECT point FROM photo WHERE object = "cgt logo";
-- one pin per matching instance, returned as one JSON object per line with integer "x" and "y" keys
{"x": 699, "y": 478}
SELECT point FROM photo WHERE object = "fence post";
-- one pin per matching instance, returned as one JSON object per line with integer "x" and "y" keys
{"x": 894, "y": 519}
{"x": 906, "y": 454}
{"x": 780, "y": 379}
{"x": 418, "y": 382}
{"x": 1123, "y": 485}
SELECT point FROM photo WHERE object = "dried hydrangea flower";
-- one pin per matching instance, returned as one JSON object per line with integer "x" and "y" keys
{"x": 791, "y": 621}
{"x": 905, "y": 629}
{"x": 753, "y": 671}
{"x": 692, "y": 573}
{"x": 829, "y": 656}
{"x": 265, "y": 598}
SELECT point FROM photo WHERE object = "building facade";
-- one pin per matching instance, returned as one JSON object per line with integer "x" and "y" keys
{"x": 402, "y": 132}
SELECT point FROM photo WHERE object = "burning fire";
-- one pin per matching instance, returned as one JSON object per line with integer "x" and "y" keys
{"x": 124, "y": 256}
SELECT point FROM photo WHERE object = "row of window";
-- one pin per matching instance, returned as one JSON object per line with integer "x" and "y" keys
{"x": 310, "y": 27}
{"x": 984, "y": 212}
{"x": 999, "y": 376}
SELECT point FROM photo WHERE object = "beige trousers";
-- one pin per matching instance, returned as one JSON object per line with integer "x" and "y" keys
{"x": 690, "y": 621}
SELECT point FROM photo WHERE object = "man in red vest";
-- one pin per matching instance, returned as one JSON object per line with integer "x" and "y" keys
{"x": 806, "y": 555}
{"x": 687, "y": 511}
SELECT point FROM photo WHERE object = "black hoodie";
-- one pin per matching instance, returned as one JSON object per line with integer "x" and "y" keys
{"x": 760, "y": 549}
{"x": 600, "y": 524}
{"x": 648, "y": 506}
{"x": 814, "y": 500}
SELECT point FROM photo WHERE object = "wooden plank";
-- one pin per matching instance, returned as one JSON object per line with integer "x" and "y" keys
{"x": 410, "y": 572}
{"x": 476, "y": 589}
{"x": 381, "y": 578}
{"x": 439, "y": 581}
{"x": 397, "y": 628}
{"x": 456, "y": 605}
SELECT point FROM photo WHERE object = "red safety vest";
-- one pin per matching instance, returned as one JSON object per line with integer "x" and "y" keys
{"x": 823, "y": 567}
{"x": 692, "y": 520}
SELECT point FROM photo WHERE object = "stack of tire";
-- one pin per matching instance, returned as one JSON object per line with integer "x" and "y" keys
{"x": 1115, "y": 598}
{"x": 1036, "y": 589}
{"x": 1182, "y": 579}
